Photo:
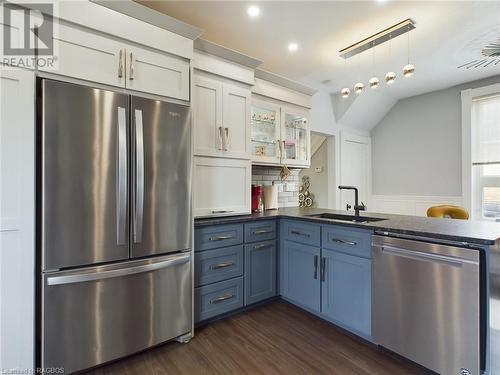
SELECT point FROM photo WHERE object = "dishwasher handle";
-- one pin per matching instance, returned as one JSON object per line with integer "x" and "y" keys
{"x": 423, "y": 256}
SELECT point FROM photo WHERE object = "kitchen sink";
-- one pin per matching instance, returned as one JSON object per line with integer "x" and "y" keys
{"x": 341, "y": 217}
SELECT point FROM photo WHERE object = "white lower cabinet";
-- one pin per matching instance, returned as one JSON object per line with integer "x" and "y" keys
{"x": 221, "y": 186}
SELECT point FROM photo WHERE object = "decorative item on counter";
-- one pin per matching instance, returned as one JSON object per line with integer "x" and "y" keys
{"x": 305, "y": 197}
{"x": 271, "y": 197}
{"x": 284, "y": 173}
{"x": 257, "y": 198}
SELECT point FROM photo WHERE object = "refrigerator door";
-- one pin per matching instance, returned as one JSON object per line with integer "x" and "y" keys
{"x": 161, "y": 178}
{"x": 84, "y": 175}
{"x": 98, "y": 314}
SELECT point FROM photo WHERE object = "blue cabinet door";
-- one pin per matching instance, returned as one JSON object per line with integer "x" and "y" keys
{"x": 346, "y": 290}
{"x": 260, "y": 271}
{"x": 299, "y": 272}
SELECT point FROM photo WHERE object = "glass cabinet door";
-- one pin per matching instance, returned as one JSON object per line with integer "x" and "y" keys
{"x": 265, "y": 132}
{"x": 295, "y": 137}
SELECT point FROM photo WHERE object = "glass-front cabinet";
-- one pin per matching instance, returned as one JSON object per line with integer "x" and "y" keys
{"x": 265, "y": 132}
{"x": 294, "y": 137}
{"x": 280, "y": 134}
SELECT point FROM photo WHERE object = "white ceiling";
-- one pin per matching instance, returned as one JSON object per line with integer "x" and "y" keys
{"x": 447, "y": 34}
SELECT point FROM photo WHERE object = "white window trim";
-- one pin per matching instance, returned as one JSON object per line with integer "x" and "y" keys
{"x": 467, "y": 97}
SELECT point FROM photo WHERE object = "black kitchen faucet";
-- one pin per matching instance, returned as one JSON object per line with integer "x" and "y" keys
{"x": 357, "y": 207}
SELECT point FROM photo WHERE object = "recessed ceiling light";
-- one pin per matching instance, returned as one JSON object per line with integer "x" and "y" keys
{"x": 253, "y": 11}
{"x": 292, "y": 46}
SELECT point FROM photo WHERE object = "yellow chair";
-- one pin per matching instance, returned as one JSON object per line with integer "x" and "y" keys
{"x": 448, "y": 211}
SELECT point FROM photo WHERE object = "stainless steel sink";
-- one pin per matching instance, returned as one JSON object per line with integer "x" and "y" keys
{"x": 341, "y": 217}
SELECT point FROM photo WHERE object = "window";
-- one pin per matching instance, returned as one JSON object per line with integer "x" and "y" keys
{"x": 485, "y": 153}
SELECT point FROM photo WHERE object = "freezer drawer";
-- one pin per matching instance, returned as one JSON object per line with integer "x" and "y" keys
{"x": 98, "y": 314}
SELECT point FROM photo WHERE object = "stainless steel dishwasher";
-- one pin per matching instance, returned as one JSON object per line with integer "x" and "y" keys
{"x": 426, "y": 303}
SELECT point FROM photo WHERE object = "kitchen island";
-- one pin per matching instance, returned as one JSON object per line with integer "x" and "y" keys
{"x": 355, "y": 272}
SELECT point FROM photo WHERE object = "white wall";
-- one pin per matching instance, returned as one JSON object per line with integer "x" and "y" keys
{"x": 319, "y": 180}
{"x": 322, "y": 118}
{"x": 416, "y": 148}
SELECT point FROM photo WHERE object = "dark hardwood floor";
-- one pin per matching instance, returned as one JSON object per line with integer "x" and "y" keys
{"x": 276, "y": 338}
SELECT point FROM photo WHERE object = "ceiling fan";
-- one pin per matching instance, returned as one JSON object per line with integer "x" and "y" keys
{"x": 490, "y": 54}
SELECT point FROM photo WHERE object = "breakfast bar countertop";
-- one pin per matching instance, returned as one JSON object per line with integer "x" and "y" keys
{"x": 475, "y": 232}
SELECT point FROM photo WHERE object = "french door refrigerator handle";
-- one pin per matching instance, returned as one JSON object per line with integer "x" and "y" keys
{"x": 120, "y": 272}
{"x": 139, "y": 177}
{"x": 121, "y": 181}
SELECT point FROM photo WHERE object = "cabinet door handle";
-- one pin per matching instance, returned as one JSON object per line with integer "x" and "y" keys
{"x": 221, "y": 138}
{"x": 297, "y": 233}
{"x": 132, "y": 69}
{"x": 279, "y": 148}
{"x": 315, "y": 262}
{"x": 323, "y": 269}
{"x": 262, "y": 231}
{"x": 221, "y": 265}
{"x": 344, "y": 242}
{"x": 262, "y": 246}
{"x": 283, "y": 152}
{"x": 120, "y": 64}
{"x": 220, "y": 238}
{"x": 222, "y": 211}
{"x": 222, "y": 298}
{"x": 227, "y": 142}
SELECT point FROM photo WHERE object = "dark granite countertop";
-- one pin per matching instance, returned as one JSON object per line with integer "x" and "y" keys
{"x": 475, "y": 232}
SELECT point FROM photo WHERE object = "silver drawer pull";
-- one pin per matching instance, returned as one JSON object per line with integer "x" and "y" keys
{"x": 221, "y": 265}
{"x": 221, "y": 298}
{"x": 222, "y": 211}
{"x": 220, "y": 238}
{"x": 262, "y": 231}
{"x": 344, "y": 242}
{"x": 262, "y": 246}
{"x": 300, "y": 233}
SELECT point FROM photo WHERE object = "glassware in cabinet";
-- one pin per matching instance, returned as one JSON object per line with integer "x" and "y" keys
{"x": 264, "y": 132}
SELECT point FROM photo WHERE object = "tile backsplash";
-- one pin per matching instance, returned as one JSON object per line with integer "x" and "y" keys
{"x": 288, "y": 192}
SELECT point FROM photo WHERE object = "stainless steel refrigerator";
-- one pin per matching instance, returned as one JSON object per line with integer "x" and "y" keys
{"x": 114, "y": 215}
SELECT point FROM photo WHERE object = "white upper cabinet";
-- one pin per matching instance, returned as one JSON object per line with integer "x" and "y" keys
{"x": 221, "y": 119}
{"x": 89, "y": 55}
{"x": 280, "y": 134}
{"x": 236, "y": 121}
{"x": 157, "y": 73}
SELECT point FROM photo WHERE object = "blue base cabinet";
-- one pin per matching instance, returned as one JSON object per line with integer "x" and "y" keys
{"x": 346, "y": 290}
{"x": 300, "y": 281}
{"x": 260, "y": 271}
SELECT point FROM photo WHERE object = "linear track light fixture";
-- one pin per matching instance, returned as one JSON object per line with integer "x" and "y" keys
{"x": 378, "y": 38}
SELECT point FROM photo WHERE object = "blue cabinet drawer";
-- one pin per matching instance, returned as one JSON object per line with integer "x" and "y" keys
{"x": 215, "y": 299}
{"x": 218, "y": 236}
{"x": 301, "y": 232}
{"x": 260, "y": 230}
{"x": 350, "y": 241}
{"x": 216, "y": 265}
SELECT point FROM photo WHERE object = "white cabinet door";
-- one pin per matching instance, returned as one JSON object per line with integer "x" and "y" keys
{"x": 236, "y": 121}
{"x": 89, "y": 56}
{"x": 221, "y": 186}
{"x": 207, "y": 116}
{"x": 295, "y": 137}
{"x": 17, "y": 218}
{"x": 265, "y": 133}
{"x": 157, "y": 73}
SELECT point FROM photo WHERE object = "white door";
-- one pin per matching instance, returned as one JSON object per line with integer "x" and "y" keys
{"x": 355, "y": 168}
{"x": 17, "y": 218}
{"x": 295, "y": 137}
{"x": 157, "y": 73}
{"x": 89, "y": 56}
{"x": 207, "y": 117}
{"x": 236, "y": 121}
{"x": 221, "y": 186}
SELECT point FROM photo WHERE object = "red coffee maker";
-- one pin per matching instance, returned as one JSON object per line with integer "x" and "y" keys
{"x": 257, "y": 198}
